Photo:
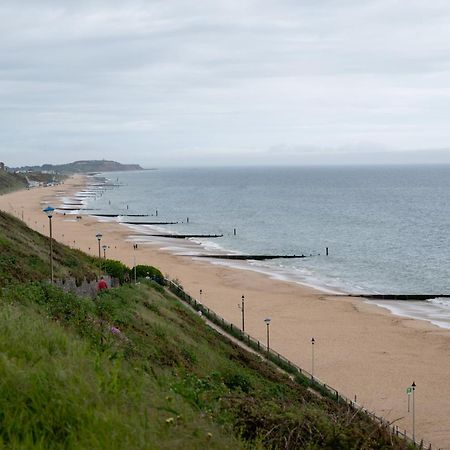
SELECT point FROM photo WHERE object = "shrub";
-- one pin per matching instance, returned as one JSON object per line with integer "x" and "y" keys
{"x": 237, "y": 380}
{"x": 143, "y": 271}
{"x": 116, "y": 269}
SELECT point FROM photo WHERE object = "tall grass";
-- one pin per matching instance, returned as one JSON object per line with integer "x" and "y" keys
{"x": 24, "y": 256}
{"x": 56, "y": 392}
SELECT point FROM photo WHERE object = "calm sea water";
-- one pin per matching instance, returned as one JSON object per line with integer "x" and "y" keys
{"x": 387, "y": 228}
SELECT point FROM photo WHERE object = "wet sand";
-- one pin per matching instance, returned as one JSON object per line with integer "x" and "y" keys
{"x": 360, "y": 348}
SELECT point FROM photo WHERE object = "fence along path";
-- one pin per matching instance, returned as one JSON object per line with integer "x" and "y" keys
{"x": 286, "y": 365}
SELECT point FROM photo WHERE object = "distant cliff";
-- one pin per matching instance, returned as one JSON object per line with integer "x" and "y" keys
{"x": 84, "y": 167}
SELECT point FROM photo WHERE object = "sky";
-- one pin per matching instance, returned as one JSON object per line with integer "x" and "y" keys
{"x": 225, "y": 82}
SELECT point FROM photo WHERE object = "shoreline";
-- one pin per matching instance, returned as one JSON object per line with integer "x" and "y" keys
{"x": 194, "y": 249}
{"x": 361, "y": 349}
{"x": 411, "y": 310}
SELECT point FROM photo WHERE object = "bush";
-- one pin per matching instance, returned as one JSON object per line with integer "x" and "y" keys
{"x": 143, "y": 271}
{"x": 116, "y": 269}
{"x": 237, "y": 380}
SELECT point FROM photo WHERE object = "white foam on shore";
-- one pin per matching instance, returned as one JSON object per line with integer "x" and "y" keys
{"x": 439, "y": 301}
{"x": 209, "y": 245}
{"x": 105, "y": 219}
{"x": 272, "y": 273}
{"x": 426, "y": 310}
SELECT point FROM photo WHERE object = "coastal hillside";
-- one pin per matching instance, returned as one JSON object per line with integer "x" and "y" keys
{"x": 85, "y": 166}
{"x": 134, "y": 368}
{"x": 24, "y": 256}
{"x": 11, "y": 181}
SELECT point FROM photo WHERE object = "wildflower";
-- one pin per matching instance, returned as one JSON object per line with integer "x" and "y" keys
{"x": 115, "y": 330}
{"x": 169, "y": 420}
{"x": 209, "y": 435}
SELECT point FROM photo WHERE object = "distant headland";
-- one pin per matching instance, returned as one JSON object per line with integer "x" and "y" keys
{"x": 84, "y": 166}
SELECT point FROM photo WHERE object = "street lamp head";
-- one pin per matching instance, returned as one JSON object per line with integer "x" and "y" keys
{"x": 267, "y": 320}
{"x": 313, "y": 341}
{"x": 104, "y": 247}
{"x": 413, "y": 385}
{"x": 98, "y": 236}
{"x": 49, "y": 211}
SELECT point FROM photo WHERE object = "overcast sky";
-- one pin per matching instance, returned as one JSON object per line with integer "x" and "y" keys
{"x": 206, "y": 82}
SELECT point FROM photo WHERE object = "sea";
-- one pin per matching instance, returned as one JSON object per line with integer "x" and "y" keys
{"x": 386, "y": 227}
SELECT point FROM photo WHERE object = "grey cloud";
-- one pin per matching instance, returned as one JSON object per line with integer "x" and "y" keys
{"x": 161, "y": 77}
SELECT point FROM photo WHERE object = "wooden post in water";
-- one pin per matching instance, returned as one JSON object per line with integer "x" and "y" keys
{"x": 234, "y": 231}
{"x": 326, "y": 251}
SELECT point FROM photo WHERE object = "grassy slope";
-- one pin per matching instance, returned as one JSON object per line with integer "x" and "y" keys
{"x": 10, "y": 182}
{"x": 24, "y": 255}
{"x": 135, "y": 369}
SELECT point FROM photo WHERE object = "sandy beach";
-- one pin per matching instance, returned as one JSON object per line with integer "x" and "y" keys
{"x": 360, "y": 349}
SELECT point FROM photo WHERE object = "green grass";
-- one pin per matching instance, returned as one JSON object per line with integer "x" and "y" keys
{"x": 56, "y": 391}
{"x": 135, "y": 369}
{"x": 24, "y": 255}
{"x": 68, "y": 382}
{"x": 161, "y": 379}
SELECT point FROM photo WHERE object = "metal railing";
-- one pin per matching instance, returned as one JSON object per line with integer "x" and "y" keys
{"x": 301, "y": 375}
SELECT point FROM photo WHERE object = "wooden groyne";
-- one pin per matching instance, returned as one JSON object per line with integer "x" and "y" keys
{"x": 400, "y": 297}
{"x": 134, "y": 215}
{"x": 150, "y": 223}
{"x": 120, "y": 215}
{"x": 181, "y": 236}
{"x": 250, "y": 257}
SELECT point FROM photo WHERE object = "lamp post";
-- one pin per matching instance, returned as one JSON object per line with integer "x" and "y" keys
{"x": 267, "y": 320}
{"x": 312, "y": 356}
{"x": 49, "y": 211}
{"x": 104, "y": 247}
{"x": 99, "y": 238}
{"x": 243, "y": 312}
{"x": 413, "y": 385}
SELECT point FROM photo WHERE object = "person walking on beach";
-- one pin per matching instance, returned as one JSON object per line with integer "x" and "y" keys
{"x": 102, "y": 285}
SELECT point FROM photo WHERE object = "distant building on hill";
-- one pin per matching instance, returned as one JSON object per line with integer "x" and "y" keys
{"x": 2, "y": 166}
